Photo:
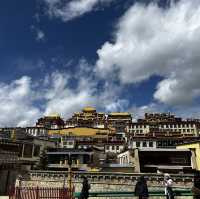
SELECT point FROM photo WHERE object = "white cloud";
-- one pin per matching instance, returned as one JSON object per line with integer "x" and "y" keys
{"x": 16, "y": 103}
{"x": 150, "y": 40}
{"x": 40, "y": 35}
{"x": 117, "y": 106}
{"x": 68, "y": 10}
{"x": 19, "y": 100}
{"x": 24, "y": 100}
{"x": 65, "y": 100}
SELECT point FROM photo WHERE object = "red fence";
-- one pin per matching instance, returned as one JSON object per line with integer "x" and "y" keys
{"x": 39, "y": 193}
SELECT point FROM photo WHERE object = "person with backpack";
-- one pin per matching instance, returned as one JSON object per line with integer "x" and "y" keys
{"x": 141, "y": 189}
{"x": 85, "y": 188}
{"x": 168, "y": 186}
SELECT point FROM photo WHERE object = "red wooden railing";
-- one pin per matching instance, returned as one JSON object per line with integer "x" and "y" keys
{"x": 40, "y": 193}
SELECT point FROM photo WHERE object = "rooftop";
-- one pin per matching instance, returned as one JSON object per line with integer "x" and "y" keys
{"x": 163, "y": 150}
{"x": 53, "y": 115}
{"x": 120, "y": 114}
{"x": 89, "y": 108}
{"x": 168, "y": 167}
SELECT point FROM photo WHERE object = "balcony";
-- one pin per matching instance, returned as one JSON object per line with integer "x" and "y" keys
{"x": 66, "y": 166}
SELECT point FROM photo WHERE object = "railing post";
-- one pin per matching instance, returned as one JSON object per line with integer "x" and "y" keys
{"x": 70, "y": 177}
{"x": 37, "y": 193}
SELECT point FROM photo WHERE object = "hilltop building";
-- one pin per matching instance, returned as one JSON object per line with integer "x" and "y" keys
{"x": 156, "y": 142}
{"x": 51, "y": 122}
{"x": 163, "y": 125}
{"x": 119, "y": 121}
{"x": 87, "y": 118}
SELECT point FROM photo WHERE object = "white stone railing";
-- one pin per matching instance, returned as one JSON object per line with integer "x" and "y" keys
{"x": 180, "y": 180}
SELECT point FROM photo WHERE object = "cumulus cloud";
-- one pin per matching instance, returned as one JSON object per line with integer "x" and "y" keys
{"x": 16, "y": 103}
{"x": 24, "y": 100}
{"x": 68, "y": 10}
{"x": 19, "y": 99}
{"x": 62, "y": 99}
{"x": 117, "y": 106}
{"x": 150, "y": 40}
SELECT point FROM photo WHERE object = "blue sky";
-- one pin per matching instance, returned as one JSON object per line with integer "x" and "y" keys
{"x": 61, "y": 55}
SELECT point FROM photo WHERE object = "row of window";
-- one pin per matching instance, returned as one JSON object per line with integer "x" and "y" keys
{"x": 112, "y": 147}
{"x": 68, "y": 143}
{"x": 166, "y": 143}
{"x": 144, "y": 144}
{"x": 35, "y": 130}
{"x": 158, "y": 144}
{"x": 173, "y": 130}
{"x": 143, "y": 126}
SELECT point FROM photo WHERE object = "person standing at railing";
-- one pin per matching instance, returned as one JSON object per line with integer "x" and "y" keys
{"x": 85, "y": 188}
{"x": 141, "y": 189}
{"x": 168, "y": 182}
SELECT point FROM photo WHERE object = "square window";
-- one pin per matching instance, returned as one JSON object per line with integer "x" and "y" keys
{"x": 144, "y": 144}
{"x": 70, "y": 143}
{"x": 150, "y": 144}
{"x": 137, "y": 144}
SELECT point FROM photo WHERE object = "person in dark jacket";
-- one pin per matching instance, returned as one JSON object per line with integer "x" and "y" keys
{"x": 85, "y": 188}
{"x": 141, "y": 189}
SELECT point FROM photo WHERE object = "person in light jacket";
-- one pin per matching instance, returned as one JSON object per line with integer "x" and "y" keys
{"x": 168, "y": 182}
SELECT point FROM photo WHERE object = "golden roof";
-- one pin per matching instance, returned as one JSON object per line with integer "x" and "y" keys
{"x": 89, "y": 108}
{"x": 120, "y": 114}
{"x": 79, "y": 131}
{"x": 53, "y": 115}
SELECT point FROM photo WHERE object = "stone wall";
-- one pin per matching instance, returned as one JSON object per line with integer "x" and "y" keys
{"x": 103, "y": 182}
{"x": 99, "y": 187}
